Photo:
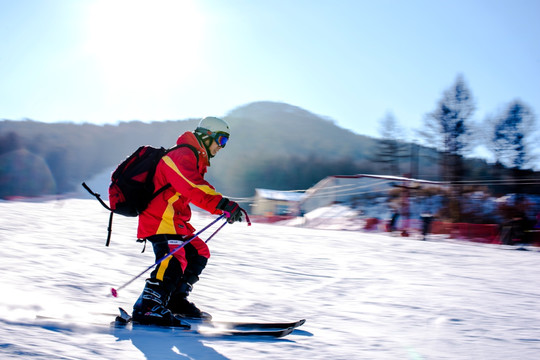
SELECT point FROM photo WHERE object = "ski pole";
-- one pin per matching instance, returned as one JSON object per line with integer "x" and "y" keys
{"x": 215, "y": 232}
{"x": 114, "y": 291}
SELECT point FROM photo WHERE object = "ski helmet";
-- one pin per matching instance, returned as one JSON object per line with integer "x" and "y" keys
{"x": 215, "y": 128}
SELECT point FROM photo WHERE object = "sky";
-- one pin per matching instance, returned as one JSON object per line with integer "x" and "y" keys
{"x": 353, "y": 61}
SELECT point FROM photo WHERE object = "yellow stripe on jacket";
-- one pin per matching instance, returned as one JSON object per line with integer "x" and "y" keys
{"x": 204, "y": 188}
{"x": 166, "y": 226}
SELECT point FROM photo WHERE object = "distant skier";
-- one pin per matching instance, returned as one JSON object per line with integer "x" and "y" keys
{"x": 165, "y": 223}
{"x": 427, "y": 219}
{"x": 393, "y": 222}
{"x": 515, "y": 230}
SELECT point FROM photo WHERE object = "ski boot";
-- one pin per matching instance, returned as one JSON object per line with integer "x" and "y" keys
{"x": 150, "y": 308}
{"x": 182, "y": 307}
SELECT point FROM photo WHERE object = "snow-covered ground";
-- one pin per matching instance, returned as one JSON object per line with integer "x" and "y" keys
{"x": 364, "y": 295}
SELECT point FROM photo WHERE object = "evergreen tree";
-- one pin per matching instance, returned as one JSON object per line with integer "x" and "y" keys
{"x": 512, "y": 134}
{"x": 448, "y": 128}
{"x": 9, "y": 142}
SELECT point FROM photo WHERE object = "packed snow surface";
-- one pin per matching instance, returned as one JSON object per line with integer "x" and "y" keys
{"x": 364, "y": 295}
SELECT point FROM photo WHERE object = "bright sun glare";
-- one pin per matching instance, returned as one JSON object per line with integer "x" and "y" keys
{"x": 141, "y": 44}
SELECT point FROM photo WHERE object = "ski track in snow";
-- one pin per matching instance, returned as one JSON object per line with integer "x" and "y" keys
{"x": 364, "y": 295}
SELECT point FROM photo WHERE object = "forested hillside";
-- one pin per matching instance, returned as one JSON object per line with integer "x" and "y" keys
{"x": 273, "y": 145}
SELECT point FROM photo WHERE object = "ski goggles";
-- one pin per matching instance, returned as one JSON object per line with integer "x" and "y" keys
{"x": 220, "y": 138}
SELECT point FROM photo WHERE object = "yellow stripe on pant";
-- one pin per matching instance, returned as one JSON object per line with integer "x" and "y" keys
{"x": 163, "y": 267}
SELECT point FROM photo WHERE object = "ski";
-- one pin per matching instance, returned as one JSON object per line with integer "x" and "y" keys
{"x": 210, "y": 328}
{"x": 237, "y": 325}
{"x": 272, "y": 333}
{"x": 207, "y": 331}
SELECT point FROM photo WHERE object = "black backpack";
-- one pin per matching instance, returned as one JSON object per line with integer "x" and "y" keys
{"x": 132, "y": 186}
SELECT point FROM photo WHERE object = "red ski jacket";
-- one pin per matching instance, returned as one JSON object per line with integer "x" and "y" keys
{"x": 169, "y": 212}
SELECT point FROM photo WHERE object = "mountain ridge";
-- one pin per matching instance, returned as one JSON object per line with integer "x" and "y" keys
{"x": 273, "y": 145}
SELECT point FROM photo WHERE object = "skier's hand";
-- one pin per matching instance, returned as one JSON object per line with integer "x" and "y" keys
{"x": 233, "y": 212}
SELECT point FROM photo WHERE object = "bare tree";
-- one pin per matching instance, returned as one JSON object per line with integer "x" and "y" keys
{"x": 391, "y": 147}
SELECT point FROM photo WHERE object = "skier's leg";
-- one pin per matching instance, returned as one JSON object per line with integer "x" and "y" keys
{"x": 151, "y": 307}
{"x": 197, "y": 254}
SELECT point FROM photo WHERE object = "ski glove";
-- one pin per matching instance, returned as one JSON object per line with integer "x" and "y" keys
{"x": 233, "y": 212}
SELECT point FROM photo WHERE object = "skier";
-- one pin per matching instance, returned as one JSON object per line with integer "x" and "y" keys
{"x": 427, "y": 219}
{"x": 165, "y": 223}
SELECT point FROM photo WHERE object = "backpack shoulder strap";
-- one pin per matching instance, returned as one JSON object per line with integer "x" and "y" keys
{"x": 166, "y": 186}
{"x": 191, "y": 147}
{"x": 97, "y": 196}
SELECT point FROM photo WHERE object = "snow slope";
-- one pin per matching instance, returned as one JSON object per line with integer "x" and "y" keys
{"x": 364, "y": 295}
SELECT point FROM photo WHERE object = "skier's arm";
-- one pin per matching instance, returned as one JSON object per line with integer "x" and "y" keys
{"x": 185, "y": 179}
